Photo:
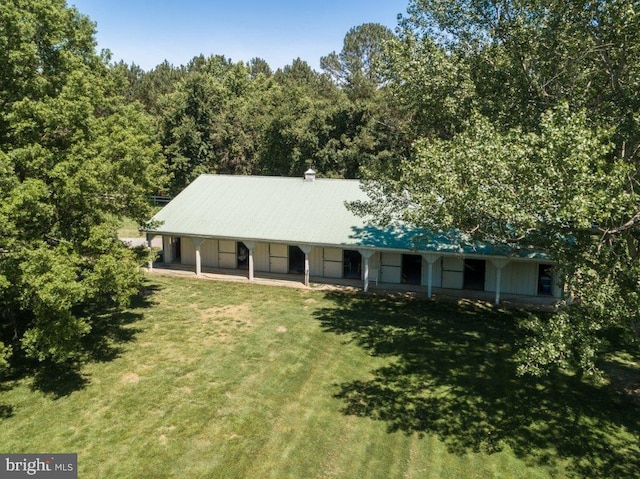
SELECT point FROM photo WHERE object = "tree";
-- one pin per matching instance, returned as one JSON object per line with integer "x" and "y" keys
{"x": 259, "y": 66}
{"x": 359, "y": 67}
{"x": 543, "y": 102}
{"x": 431, "y": 86}
{"x": 296, "y": 122}
{"x": 74, "y": 158}
{"x": 149, "y": 87}
{"x": 527, "y": 57}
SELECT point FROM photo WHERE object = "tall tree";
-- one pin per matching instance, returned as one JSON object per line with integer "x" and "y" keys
{"x": 543, "y": 147}
{"x": 74, "y": 157}
{"x": 259, "y": 66}
{"x": 360, "y": 65}
{"x": 366, "y": 129}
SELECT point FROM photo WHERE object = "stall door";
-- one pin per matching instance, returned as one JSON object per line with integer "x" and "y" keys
{"x": 390, "y": 268}
{"x": 227, "y": 254}
{"x": 332, "y": 263}
{"x": 452, "y": 273}
{"x": 278, "y": 258}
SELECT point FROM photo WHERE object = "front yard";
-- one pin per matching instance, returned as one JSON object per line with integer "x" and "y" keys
{"x": 204, "y": 379}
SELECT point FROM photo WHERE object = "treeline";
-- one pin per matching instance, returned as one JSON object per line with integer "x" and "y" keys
{"x": 214, "y": 115}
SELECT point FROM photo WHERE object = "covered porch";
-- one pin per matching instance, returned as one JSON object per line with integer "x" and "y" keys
{"x": 320, "y": 283}
{"x": 472, "y": 276}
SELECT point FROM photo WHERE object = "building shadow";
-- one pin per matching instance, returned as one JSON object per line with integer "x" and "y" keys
{"x": 451, "y": 373}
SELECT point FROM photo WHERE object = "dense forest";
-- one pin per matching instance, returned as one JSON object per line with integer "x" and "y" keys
{"x": 215, "y": 115}
{"x": 514, "y": 122}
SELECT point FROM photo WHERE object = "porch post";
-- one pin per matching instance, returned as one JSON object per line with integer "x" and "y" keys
{"x": 197, "y": 242}
{"x": 366, "y": 254}
{"x": 499, "y": 263}
{"x": 250, "y": 245}
{"x": 150, "y": 264}
{"x": 306, "y": 249}
{"x": 430, "y": 258}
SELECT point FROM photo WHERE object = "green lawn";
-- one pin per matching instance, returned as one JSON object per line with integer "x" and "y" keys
{"x": 129, "y": 229}
{"x": 206, "y": 379}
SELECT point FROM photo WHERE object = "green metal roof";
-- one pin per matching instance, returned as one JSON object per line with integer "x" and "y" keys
{"x": 294, "y": 211}
{"x": 265, "y": 208}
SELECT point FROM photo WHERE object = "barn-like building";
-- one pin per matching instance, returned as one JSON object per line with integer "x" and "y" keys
{"x": 302, "y": 226}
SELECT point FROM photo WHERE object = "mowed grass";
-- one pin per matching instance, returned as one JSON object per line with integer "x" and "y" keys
{"x": 129, "y": 229}
{"x": 204, "y": 379}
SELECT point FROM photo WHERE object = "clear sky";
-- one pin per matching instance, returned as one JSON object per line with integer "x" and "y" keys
{"x": 147, "y": 32}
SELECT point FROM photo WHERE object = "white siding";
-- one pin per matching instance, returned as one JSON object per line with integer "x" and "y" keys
{"x": 227, "y": 255}
{"x": 261, "y": 257}
{"x": 390, "y": 267}
{"x": 374, "y": 261}
{"x": 209, "y": 253}
{"x": 278, "y": 258}
{"x": 187, "y": 251}
{"x": 518, "y": 277}
{"x": 452, "y": 273}
{"x": 332, "y": 263}
{"x": 316, "y": 265}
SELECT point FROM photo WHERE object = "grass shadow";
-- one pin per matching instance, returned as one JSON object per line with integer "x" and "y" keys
{"x": 6, "y": 411}
{"x": 110, "y": 331}
{"x": 59, "y": 380}
{"x": 451, "y": 374}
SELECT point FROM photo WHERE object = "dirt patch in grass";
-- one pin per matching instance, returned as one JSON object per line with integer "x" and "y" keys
{"x": 235, "y": 312}
{"x": 130, "y": 378}
{"x": 220, "y": 324}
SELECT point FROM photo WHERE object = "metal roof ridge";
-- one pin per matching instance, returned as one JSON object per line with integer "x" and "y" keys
{"x": 227, "y": 175}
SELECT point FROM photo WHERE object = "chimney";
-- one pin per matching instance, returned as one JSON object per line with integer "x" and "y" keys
{"x": 310, "y": 175}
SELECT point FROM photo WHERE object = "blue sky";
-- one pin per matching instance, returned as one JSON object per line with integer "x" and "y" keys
{"x": 148, "y": 32}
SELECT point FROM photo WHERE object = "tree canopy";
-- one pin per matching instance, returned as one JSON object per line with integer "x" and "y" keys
{"x": 74, "y": 158}
{"x": 359, "y": 66}
{"x": 526, "y": 132}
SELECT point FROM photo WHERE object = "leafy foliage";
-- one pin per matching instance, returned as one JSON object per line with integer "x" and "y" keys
{"x": 526, "y": 125}
{"x": 236, "y": 118}
{"x": 74, "y": 157}
{"x": 359, "y": 67}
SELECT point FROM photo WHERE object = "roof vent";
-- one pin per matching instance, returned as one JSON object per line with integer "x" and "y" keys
{"x": 310, "y": 175}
